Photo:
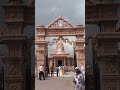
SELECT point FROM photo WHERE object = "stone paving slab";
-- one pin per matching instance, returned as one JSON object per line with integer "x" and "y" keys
{"x": 55, "y": 83}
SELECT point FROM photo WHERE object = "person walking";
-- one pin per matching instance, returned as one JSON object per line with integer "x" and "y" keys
{"x": 78, "y": 79}
{"x": 52, "y": 70}
{"x": 60, "y": 71}
{"x": 41, "y": 72}
{"x": 57, "y": 69}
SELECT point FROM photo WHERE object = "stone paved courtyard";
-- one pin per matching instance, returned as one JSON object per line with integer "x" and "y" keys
{"x": 55, "y": 83}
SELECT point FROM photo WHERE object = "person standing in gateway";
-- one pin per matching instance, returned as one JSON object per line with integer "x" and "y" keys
{"x": 41, "y": 72}
{"x": 52, "y": 70}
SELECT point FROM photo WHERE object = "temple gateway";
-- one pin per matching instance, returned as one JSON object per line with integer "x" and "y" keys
{"x": 60, "y": 28}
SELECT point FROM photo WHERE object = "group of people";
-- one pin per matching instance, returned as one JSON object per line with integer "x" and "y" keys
{"x": 78, "y": 80}
{"x": 61, "y": 70}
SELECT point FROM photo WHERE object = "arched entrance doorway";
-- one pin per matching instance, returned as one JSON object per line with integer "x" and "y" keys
{"x": 59, "y": 63}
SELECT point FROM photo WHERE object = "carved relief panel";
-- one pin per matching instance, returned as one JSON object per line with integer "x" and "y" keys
{"x": 15, "y": 85}
{"x": 111, "y": 85}
{"x": 40, "y": 55}
{"x": 60, "y": 32}
{"x": 80, "y": 46}
{"x": 80, "y": 31}
{"x": 108, "y": 49}
{"x": 14, "y": 14}
{"x": 109, "y": 68}
{"x": 14, "y": 29}
{"x": 80, "y": 54}
{"x": 110, "y": 14}
{"x": 108, "y": 27}
{"x": 80, "y": 63}
{"x": 14, "y": 51}
{"x": 91, "y": 14}
{"x": 12, "y": 69}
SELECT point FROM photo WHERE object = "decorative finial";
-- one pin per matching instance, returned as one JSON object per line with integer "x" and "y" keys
{"x": 60, "y": 9}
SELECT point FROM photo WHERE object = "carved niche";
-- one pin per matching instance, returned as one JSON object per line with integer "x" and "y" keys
{"x": 12, "y": 68}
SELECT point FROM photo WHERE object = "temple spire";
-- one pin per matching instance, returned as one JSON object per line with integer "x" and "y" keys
{"x": 60, "y": 11}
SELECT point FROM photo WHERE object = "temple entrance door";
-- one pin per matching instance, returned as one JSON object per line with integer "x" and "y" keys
{"x": 59, "y": 62}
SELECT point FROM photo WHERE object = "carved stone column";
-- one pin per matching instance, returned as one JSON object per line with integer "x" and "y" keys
{"x": 80, "y": 45}
{"x": 41, "y": 44}
{"x": 105, "y": 13}
{"x": 14, "y": 60}
{"x": 107, "y": 52}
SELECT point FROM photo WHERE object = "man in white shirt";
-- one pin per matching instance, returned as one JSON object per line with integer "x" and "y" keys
{"x": 41, "y": 72}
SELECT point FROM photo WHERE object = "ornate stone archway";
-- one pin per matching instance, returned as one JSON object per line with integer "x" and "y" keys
{"x": 104, "y": 14}
{"x": 60, "y": 27}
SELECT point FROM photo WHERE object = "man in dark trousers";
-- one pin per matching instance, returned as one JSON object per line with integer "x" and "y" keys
{"x": 52, "y": 70}
{"x": 57, "y": 69}
{"x": 41, "y": 72}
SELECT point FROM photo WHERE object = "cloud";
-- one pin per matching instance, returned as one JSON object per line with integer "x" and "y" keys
{"x": 46, "y": 11}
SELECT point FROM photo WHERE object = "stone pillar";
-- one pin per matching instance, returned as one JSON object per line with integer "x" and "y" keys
{"x": 64, "y": 62}
{"x": 41, "y": 44}
{"x": 80, "y": 45}
{"x": 14, "y": 60}
{"x": 107, "y": 53}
